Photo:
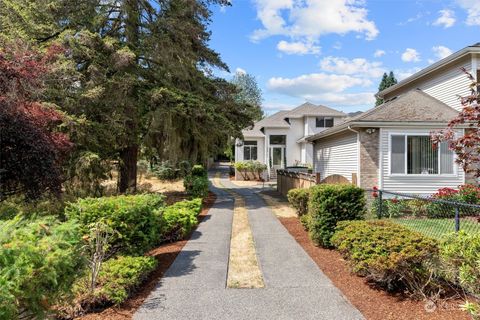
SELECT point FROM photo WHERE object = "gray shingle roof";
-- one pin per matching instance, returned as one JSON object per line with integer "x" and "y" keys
{"x": 276, "y": 120}
{"x": 415, "y": 106}
{"x": 309, "y": 109}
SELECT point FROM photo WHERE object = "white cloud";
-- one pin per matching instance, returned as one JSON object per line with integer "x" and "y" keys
{"x": 346, "y": 99}
{"x": 441, "y": 52}
{"x": 300, "y": 48}
{"x": 306, "y": 21}
{"x": 411, "y": 55}
{"x": 473, "y": 11}
{"x": 314, "y": 84}
{"x": 446, "y": 18}
{"x": 412, "y": 19}
{"x": 402, "y": 74}
{"x": 379, "y": 53}
{"x": 269, "y": 105}
{"x": 358, "y": 66}
{"x": 240, "y": 71}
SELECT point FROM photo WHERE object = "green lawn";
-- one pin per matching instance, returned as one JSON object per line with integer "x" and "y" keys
{"x": 438, "y": 228}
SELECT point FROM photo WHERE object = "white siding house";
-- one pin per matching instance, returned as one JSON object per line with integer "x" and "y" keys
{"x": 337, "y": 155}
{"x": 279, "y": 140}
{"x": 389, "y": 146}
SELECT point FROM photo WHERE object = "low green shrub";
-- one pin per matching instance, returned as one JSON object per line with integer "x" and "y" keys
{"x": 39, "y": 260}
{"x": 298, "y": 198}
{"x": 196, "y": 184}
{"x": 460, "y": 256}
{"x": 118, "y": 278}
{"x": 198, "y": 171}
{"x": 389, "y": 255}
{"x": 133, "y": 219}
{"x": 255, "y": 168}
{"x": 329, "y": 204}
{"x": 121, "y": 276}
{"x": 165, "y": 171}
{"x": 179, "y": 219}
{"x": 184, "y": 168}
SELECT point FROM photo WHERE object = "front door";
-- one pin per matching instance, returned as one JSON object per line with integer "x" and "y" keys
{"x": 277, "y": 156}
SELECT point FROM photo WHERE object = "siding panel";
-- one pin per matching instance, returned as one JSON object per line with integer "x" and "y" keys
{"x": 444, "y": 85}
{"x": 337, "y": 155}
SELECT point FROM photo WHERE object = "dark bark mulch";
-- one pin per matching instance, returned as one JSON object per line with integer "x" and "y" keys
{"x": 373, "y": 303}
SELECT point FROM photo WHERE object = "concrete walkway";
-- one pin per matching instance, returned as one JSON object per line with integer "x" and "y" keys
{"x": 194, "y": 287}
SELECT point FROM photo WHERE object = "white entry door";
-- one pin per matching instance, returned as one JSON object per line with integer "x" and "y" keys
{"x": 277, "y": 157}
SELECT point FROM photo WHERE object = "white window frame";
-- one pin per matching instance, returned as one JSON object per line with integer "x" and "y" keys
{"x": 250, "y": 146}
{"x": 406, "y": 135}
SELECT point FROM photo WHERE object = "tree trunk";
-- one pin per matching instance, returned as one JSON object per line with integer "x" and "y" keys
{"x": 128, "y": 169}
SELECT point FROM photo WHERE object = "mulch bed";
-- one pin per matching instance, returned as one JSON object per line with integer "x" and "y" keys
{"x": 373, "y": 303}
{"x": 165, "y": 254}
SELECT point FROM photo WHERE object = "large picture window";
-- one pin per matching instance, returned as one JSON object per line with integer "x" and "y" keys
{"x": 250, "y": 150}
{"x": 324, "y": 122}
{"x": 416, "y": 154}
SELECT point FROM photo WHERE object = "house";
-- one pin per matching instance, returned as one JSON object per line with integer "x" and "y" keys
{"x": 389, "y": 146}
{"x": 280, "y": 140}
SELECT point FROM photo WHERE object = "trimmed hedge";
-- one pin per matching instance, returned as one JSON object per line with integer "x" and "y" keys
{"x": 133, "y": 219}
{"x": 39, "y": 260}
{"x": 298, "y": 198}
{"x": 179, "y": 219}
{"x": 329, "y": 204}
{"x": 388, "y": 254}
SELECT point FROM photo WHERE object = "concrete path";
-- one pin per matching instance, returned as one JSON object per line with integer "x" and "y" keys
{"x": 194, "y": 287}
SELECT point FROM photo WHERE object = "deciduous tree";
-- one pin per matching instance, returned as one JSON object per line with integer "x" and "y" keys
{"x": 467, "y": 145}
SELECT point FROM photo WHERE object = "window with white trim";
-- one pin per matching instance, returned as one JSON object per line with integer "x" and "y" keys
{"x": 250, "y": 150}
{"x": 324, "y": 122}
{"x": 416, "y": 154}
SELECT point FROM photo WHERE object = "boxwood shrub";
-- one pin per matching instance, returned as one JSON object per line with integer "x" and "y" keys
{"x": 329, "y": 204}
{"x": 39, "y": 260}
{"x": 179, "y": 219}
{"x": 134, "y": 219}
{"x": 298, "y": 198}
{"x": 389, "y": 255}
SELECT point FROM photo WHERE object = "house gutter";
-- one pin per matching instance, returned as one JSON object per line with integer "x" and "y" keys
{"x": 363, "y": 124}
{"x": 358, "y": 153}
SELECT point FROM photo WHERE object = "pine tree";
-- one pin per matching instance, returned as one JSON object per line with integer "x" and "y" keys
{"x": 387, "y": 81}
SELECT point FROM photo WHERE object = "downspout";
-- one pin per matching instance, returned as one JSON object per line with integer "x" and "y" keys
{"x": 358, "y": 153}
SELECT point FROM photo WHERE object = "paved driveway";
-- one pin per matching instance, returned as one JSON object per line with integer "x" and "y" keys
{"x": 195, "y": 285}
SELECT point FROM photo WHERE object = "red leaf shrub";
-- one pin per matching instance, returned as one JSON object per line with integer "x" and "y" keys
{"x": 32, "y": 151}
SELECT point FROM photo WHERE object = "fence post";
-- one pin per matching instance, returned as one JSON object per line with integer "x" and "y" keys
{"x": 457, "y": 219}
{"x": 318, "y": 178}
{"x": 380, "y": 204}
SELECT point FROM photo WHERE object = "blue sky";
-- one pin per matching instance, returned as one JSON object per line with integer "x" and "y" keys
{"x": 333, "y": 52}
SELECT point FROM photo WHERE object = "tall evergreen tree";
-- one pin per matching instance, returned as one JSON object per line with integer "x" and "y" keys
{"x": 387, "y": 81}
{"x": 141, "y": 77}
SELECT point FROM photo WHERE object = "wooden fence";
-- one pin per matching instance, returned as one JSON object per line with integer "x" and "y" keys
{"x": 287, "y": 180}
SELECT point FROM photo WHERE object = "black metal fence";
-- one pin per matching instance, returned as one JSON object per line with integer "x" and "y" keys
{"x": 432, "y": 216}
